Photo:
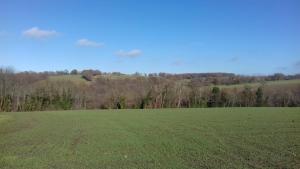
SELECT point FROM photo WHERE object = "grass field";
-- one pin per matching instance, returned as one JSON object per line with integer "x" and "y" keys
{"x": 165, "y": 138}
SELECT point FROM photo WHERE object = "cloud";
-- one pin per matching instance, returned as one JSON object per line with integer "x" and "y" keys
{"x": 3, "y": 33}
{"x": 177, "y": 63}
{"x": 132, "y": 53}
{"x": 282, "y": 68}
{"x": 89, "y": 43}
{"x": 234, "y": 59}
{"x": 297, "y": 64}
{"x": 37, "y": 33}
{"x": 196, "y": 44}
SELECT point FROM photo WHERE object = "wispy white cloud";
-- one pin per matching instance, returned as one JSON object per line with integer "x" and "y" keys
{"x": 293, "y": 67}
{"x": 3, "y": 33}
{"x": 281, "y": 68}
{"x": 234, "y": 59}
{"x": 177, "y": 63}
{"x": 89, "y": 43}
{"x": 297, "y": 64}
{"x": 132, "y": 53}
{"x": 38, "y": 33}
{"x": 196, "y": 44}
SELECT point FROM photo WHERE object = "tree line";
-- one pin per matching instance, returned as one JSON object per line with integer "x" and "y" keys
{"x": 32, "y": 91}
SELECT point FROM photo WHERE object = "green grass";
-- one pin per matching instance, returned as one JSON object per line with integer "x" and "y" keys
{"x": 165, "y": 138}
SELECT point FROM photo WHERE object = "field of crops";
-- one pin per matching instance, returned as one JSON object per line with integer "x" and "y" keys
{"x": 164, "y": 138}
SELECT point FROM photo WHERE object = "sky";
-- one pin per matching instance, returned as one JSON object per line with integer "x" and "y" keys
{"x": 246, "y": 37}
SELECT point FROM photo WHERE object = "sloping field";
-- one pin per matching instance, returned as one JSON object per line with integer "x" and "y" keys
{"x": 165, "y": 138}
{"x": 278, "y": 83}
{"x": 77, "y": 79}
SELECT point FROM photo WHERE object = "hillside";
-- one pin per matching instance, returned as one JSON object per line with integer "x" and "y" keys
{"x": 78, "y": 79}
{"x": 294, "y": 82}
{"x": 92, "y": 89}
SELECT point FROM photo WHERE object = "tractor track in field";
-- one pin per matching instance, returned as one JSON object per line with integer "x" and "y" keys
{"x": 79, "y": 137}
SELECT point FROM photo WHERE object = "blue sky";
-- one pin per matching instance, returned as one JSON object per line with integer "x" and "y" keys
{"x": 239, "y": 36}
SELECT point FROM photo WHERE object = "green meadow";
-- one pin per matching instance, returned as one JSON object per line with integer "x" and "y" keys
{"x": 161, "y": 138}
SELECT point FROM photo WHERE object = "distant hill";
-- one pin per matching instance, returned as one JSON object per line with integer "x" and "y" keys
{"x": 90, "y": 89}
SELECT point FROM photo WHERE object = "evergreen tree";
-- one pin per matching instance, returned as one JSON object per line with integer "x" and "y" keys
{"x": 215, "y": 98}
{"x": 259, "y": 97}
